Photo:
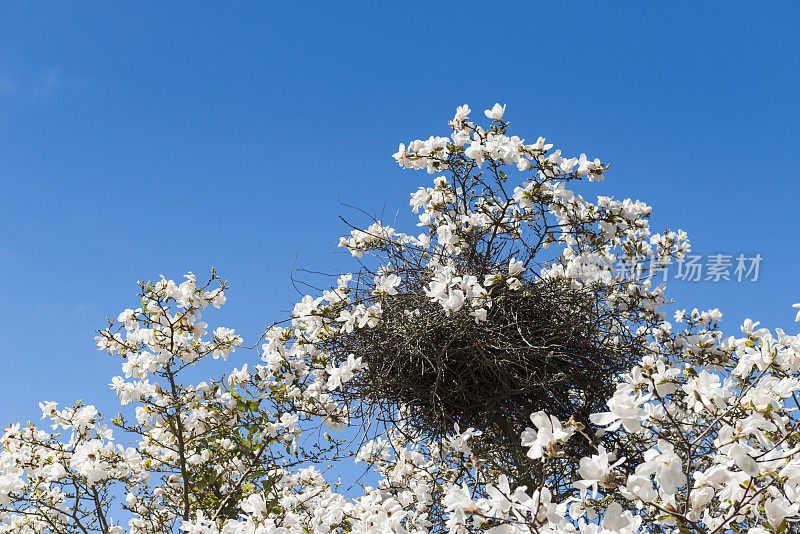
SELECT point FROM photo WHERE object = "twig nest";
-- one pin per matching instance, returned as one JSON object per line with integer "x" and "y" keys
{"x": 543, "y": 347}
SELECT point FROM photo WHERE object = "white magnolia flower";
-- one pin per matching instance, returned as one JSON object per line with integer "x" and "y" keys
{"x": 515, "y": 268}
{"x": 496, "y": 113}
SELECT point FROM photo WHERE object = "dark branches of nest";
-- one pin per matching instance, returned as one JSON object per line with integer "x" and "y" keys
{"x": 544, "y": 347}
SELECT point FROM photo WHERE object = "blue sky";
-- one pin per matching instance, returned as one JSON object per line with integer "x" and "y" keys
{"x": 166, "y": 137}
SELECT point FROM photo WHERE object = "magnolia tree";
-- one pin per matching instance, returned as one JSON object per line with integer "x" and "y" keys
{"x": 699, "y": 433}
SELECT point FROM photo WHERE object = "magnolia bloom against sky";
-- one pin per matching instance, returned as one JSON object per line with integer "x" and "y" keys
{"x": 710, "y": 419}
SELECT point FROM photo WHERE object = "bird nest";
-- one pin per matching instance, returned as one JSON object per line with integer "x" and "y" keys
{"x": 544, "y": 347}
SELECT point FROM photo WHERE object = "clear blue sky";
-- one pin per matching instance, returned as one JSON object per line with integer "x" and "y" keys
{"x": 168, "y": 136}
